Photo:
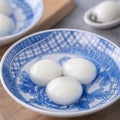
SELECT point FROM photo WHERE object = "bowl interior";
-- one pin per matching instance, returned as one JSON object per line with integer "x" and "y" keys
{"x": 62, "y": 45}
{"x": 26, "y": 13}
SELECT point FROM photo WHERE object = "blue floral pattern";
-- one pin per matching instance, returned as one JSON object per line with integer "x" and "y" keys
{"x": 102, "y": 83}
{"x": 24, "y": 13}
{"x": 62, "y": 45}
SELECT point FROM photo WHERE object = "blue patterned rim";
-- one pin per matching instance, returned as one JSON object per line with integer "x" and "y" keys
{"x": 61, "y": 45}
{"x": 31, "y": 14}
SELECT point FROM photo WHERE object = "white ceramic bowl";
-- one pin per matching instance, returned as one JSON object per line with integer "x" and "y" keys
{"x": 26, "y": 13}
{"x": 61, "y": 45}
{"x": 99, "y": 25}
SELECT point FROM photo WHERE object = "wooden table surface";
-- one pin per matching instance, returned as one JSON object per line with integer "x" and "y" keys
{"x": 73, "y": 20}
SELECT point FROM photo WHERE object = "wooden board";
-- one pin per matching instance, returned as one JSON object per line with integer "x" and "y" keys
{"x": 55, "y": 10}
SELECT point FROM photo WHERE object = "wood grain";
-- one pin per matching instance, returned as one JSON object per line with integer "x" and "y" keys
{"x": 54, "y": 13}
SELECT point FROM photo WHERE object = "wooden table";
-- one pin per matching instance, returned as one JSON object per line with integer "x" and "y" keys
{"x": 73, "y": 20}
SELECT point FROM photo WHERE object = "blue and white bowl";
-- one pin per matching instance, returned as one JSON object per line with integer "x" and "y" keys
{"x": 25, "y": 14}
{"x": 61, "y": 45}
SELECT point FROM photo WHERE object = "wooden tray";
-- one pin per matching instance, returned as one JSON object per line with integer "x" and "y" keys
{"x": 55, "y": 10}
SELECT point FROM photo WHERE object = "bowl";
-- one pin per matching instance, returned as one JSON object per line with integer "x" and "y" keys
{"x": 26, "y": 13}
{"x": 88, "y": 16}
{"x": 61, "y": 45}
